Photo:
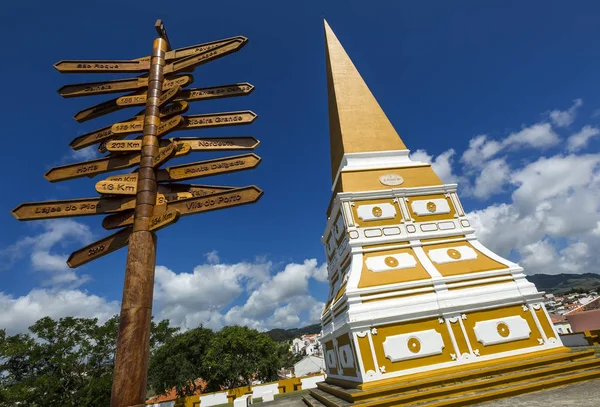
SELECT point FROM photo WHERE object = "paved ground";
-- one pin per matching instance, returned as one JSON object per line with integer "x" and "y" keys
{"x": 586, "y": 394}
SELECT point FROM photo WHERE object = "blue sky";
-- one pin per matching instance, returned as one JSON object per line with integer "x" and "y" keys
{"x": 493, "y": 93}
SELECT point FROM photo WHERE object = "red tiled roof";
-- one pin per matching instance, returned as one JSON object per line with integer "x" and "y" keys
{"x": 172, "y": 394}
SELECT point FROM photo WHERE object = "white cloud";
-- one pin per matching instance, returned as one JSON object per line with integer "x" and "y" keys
{"x": 551, "y": 223}
{"x": 580, "y": 139}
{"x": 42, "y": 251}
{"x": 441, "y": 165}
{"x": 539, "y": 135}
{"x": 85, "y": 154}
{"x": 270, "y": 299}
{"x": 212, "y": 257}
{"x": 492, "y": 177}
{"x": 564, "y": 118}
{"x": 18, "y": 313}
{"x": 482, "y": 148}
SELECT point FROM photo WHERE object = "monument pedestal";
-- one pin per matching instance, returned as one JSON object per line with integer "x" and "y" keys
{"x": 419, "y": 311}
{"x": 460, "y": 387}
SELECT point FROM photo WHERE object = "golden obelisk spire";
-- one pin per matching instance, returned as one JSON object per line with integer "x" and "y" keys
{"x": 357, "y": 123}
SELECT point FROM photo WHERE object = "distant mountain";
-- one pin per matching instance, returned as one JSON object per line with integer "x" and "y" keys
{"x": 565, "y": 283}
{"x": 281, "y": 335}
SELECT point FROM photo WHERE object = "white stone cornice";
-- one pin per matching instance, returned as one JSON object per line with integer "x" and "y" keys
{"x": 372, "y": 160}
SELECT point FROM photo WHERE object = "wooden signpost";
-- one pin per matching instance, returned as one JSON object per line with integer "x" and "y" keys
{"x": 148, "y": 199}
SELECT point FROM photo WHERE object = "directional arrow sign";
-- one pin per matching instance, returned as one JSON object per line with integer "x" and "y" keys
{"x": 236, "y": 89}
{"x": 119, "y": 85}
{"x": 106, "y": 133}
{"x": 164, "y": 155}
{"x": 193, "y": 49}
{"x": 190, "y": 95}
{"x": 221, "y": 200}
{"x": 218, "y": 119}
{"x": 101, "y": 66}
{"x": 190, "y": 206}
{"x": 92, "y": 167}
{"x": 100, "y": 248}
{"x": 116, "y": 187}
{"x": 168, "y": 95}
{"x": 137, "y": 126}
{"x": 210, "y": 167}
{"x": 219, "y": 143}
{"x": 72, "y": 207}
{"x": 193, "y": 143}
{"x": 123, "y": 146}
{"x": 209, "y": 55}
{"x": 98, "y": 110}
{"x": 165, "y": 219}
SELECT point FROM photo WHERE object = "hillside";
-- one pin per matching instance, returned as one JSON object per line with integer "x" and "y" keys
{"x": 281, "y": 335}
{"x": 564, "y": 283}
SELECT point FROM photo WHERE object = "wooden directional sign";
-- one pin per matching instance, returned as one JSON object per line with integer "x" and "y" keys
{"x": 190, "y": 95}
{"x": 100, "y": 248}
{"x": 215, "y": 92}
{"x": 137, "y": 126}
{"x": 193, "y": 49}
{"x": 165, "y": 219}
{"x": 92, "y": 167}
{"x": 123, "y": 146}
{"x": 168, "y": 95}
{"x": 123, "y": 177}
{"x": 98, "y": 110}
{"x": 209, "y": 167}
{"x": 101, "y": 66}
{"x": 209, "y": 55}
{"x": 221, "y": 200}
{"x": 119, "y": 85}
{"x": 72, "y": 207}
{"x": 116, "y": 187}
{"x": 219, "y": 143}
{"x": 218, "y": 119}
{"x": 165, "y": 154}
{"x": 125, "y": 218}
{"x": 163, "y": 199}
{"x": 190, "y": 206}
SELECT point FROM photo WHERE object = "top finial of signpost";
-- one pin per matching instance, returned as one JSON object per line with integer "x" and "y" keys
{"x": 162, "y": 32}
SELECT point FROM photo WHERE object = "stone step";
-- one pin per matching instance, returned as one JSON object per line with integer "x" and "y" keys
{"x": 310, "y": 401}
{"x": 495, "y": 383}
{"x": 508, "y": 391}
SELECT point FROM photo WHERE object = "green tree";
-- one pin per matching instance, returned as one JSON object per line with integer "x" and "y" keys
{"x": 65, "y": 362}
{"x": 238, "y": 355}
{"x": 179, "y": 362}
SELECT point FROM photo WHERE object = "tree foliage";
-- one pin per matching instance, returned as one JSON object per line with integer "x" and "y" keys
{"x": 239, "y": 355}
{"x": 179, "y": 362}
{"x": 65, "y": 362}
{"x": 70, "y": 361}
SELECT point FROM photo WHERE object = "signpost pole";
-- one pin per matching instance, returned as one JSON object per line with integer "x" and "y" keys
{"x": 131, "y": 363}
